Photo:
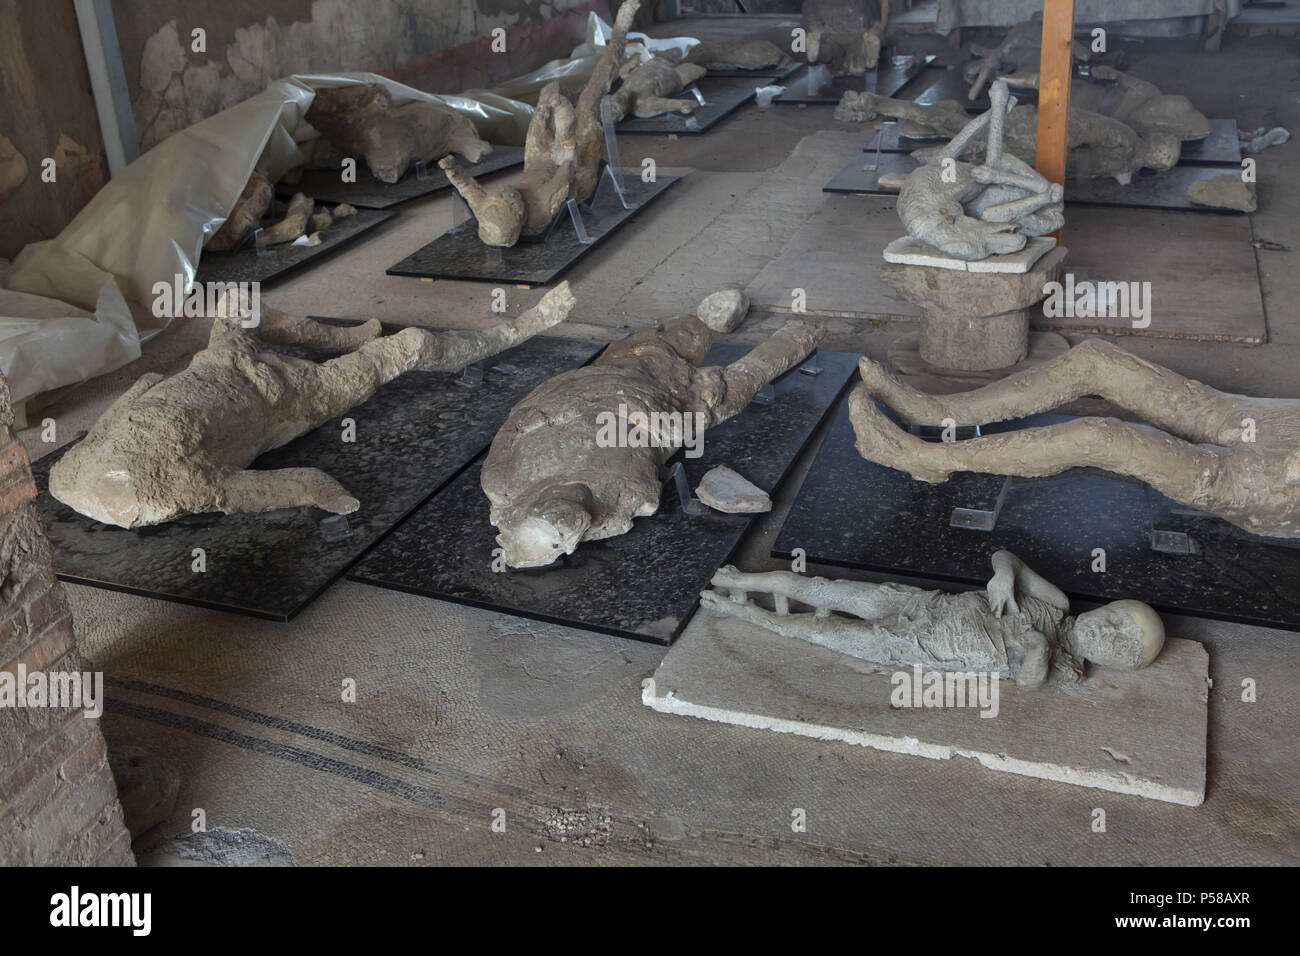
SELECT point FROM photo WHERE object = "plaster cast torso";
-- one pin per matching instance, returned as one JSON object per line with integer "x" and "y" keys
{"x": 553, "y": 481}
{"x": 945, "y": 631}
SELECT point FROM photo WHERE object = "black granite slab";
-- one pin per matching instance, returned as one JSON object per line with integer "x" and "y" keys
{"x": 852, "y": 513}
{"x": 459, "y": 254}
{"x": 855, "y": 178}
{"x": 245, "y": 265}
{"x": 412, "y": 436}
{"x": 939, "y": 85}
{"x": 1149, "y": 189}
{"x": 722, "y": 97}
{"x": 889, "y": 141}
{"x": 325, "y": 185}
{"x": 1221, "y": 148}
{"x": 644, "y": 584}
{"x": 887, "y": 79}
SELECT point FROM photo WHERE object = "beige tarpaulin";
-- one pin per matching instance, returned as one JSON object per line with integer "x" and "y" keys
{"x": 80, "y": 304}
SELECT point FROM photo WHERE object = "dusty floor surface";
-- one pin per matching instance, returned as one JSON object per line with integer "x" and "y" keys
{"x": 463, "y": 714}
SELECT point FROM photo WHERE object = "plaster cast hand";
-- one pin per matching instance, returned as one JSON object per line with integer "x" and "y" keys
{"x": 1002, "y": 591}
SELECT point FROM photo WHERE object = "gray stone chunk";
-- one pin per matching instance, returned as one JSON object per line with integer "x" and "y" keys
{"x": 728, "y": 491}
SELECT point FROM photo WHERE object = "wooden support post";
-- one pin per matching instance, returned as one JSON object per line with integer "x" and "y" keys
{"x": 1054, "y": 71}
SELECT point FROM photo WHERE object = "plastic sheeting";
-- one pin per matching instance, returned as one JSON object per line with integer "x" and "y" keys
{"x": 599, "y": 32}
{"x": 80, "y": 304}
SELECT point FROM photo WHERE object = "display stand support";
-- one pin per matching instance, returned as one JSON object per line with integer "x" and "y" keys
{"x": 690, "y": 504}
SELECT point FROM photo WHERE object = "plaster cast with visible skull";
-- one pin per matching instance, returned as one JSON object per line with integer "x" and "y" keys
{"x": 553, "y": 483}
{"x": 1018, "y": 627}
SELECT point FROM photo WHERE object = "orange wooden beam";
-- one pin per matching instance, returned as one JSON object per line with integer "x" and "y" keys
{"x": 1054, "y": 71}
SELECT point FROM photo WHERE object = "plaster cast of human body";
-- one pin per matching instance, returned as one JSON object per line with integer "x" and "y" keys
{"x": 971, "y": 212}
{"x": 648, "y": 89}
{"x": 561, "y": 154}
{"x": 1230, "y": 455}
{"x": 1018, "y": 627}
{"x": 551, "y": 480}
{"x": 362, "y": 121}
{"x": 842, "y": 34}
{"x": 749, "y": 55}
{"x": 178, "y": 445}
{"x": 1146, "y": 131}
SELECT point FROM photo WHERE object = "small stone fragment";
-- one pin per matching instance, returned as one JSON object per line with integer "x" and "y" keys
{"x": 725, "y": 490}
{"x": 1223, "y": 192}
{"x": 723, "y": 311}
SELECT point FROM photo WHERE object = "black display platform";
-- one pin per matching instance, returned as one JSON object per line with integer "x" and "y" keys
{"x": 886, "y": 79}
{"x": 325, "y": 185}
{"x": 459, "y": 254}
{"x": 855, "y": 178}
{"x": 245, "y": 265}
{"x": 1147, "y": 190}
{"x": 722, "y": 97}
{"x": 412, "y": 436}
{"x": 773, "y": 74}
{"x": 854, "y": 514}
{"x": 1221, "y": 148}
{"x": 890, "y": 142}
{"x": 642, "y": 585}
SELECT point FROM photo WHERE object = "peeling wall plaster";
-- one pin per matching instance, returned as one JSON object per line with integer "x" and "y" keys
{"x": 46, "y": 112}
{"x": 438, "y": 45}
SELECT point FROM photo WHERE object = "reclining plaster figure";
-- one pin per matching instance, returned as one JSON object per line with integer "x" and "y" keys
{"x": 1019, "y": 626}
{"x": 553, "y": 482}
{"x": 1099, "y": 146}
{"x": 561, "y": 154}
{"x": 182, "y": 445}
{"x": 648, "y": 89}
{"x": 842, "y": 34}
{"x": 362, "y": 121}
{"x": 749, "y": 55}
{"x": 971, "y": 212}
{"x": 1232, "y": 456}
{"x": 1021, "y": 49}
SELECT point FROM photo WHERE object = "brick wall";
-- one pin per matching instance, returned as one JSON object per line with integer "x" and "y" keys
{"x": 58, "y": 803}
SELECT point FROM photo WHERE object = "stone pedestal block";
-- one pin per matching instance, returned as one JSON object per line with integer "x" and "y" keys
{"x": 974, "y": 321}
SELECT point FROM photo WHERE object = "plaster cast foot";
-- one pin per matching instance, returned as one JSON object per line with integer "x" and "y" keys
{"x": 294, "y": 223}
{"x": 881, "y": 441}
{"x": 256, "y": 491}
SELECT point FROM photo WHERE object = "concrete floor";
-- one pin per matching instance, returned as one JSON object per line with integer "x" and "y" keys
{"x": 462, "y": 712}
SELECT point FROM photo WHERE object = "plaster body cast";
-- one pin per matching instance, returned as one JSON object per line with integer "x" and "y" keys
{"x": 171, "y": 446}
{"x": 1018, "y": 627}
{"x": 551, "y": 480}
{"x": 1230, "y": 455}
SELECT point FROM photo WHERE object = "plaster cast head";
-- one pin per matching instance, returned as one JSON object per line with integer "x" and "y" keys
{"x": 1127, "y": 634}
{"x": 1170, "y": 113}
{"x": 547, "y": 524}
{"x": 1159, "y": 150}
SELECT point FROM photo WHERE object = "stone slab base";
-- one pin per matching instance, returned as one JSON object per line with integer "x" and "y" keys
{"x": 1132, "y": 732}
